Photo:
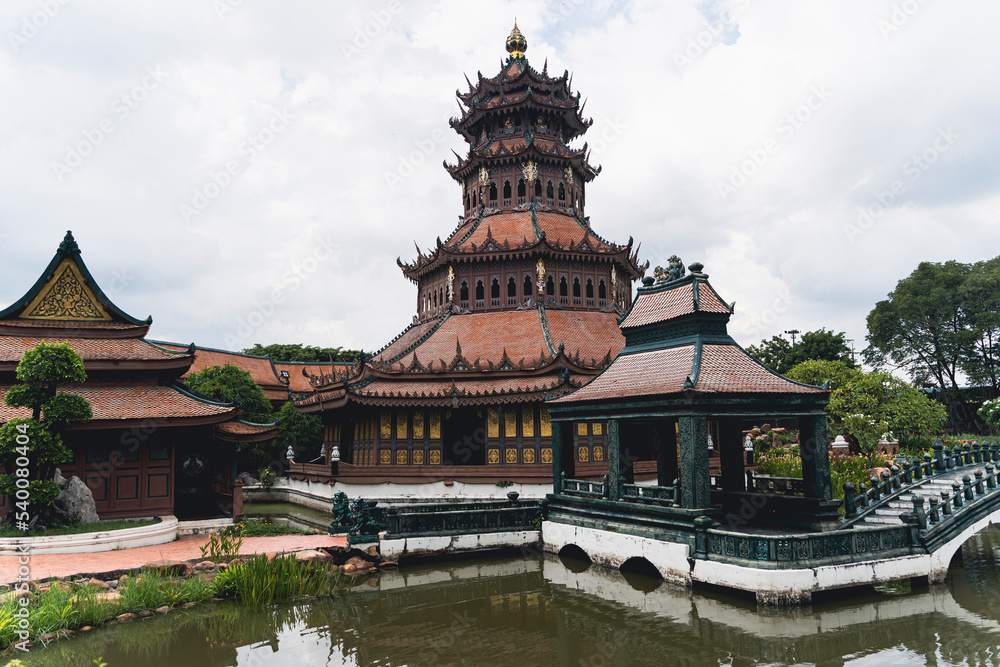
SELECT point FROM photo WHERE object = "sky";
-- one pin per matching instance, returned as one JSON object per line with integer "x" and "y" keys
{"x": 248, "y": 172}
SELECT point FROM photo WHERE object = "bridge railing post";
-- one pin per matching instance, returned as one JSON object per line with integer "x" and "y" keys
{"x": 895, "y": 477}
{"x": 935, "y": 516}
{"x": 885, "y": 488}
{"x": 967, "y": 454}
{"x": 850, "y": 505}
{"x": 991, "y": 479}
{"x": 607, "y": 487}
{"x": 928, "y": 466}
{"x": 980, "y": 489}
{"x": 918, "y": 511}
{"x": 995, "y": 451}
{"x": 949, "y": 461}
{"x": 977, "y": 453}
{"x": 945, "y": 503}
{"x": 956, "y": 495}
{"x": 939, "y": 463}
{"x": 873, "y": 483}
{"x": 967, "y": 487}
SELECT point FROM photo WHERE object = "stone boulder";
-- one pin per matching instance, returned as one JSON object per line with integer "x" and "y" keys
{"x": 75, "y": 503}
{"x": 246, "y": 479}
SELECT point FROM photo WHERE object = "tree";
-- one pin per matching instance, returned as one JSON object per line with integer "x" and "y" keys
{"x": 233, "y": 384}
{"x": 818, "y": 371}
{"x": 300, "y": 352}
{"x": 298, "y": 430}
{"x": 34, "y": 445}
{"x": 872, "y": 404}
{"x": 777, "y": 353}
{"x": 923, "y": 327}
{"x": 980, "y": 297}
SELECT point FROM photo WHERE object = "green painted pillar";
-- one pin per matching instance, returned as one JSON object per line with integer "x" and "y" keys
{"x": 665, "y": 447}
{"x": 562, "y": 454}
{"x": 614, "y": 460}
{"x": 815, "y": 457}
{"x": 693, "y": 437}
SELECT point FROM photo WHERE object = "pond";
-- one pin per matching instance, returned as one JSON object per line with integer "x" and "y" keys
{"x": 542, "y": 610}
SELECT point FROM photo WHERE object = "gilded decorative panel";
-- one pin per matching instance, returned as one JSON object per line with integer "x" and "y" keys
{"x": 598, "y": 453}
{"x": 546, "y": 423}
{"x": 510, "y": 456}
{"x": 418, "y": 425}
{"x": 598, "y": 428}
{"x": 435, "y": 457}
{"x": 328, "y": 433}
{"x": 67, "y": 297}
{"x": 435, "y": 425}
{"x": 493, "y": 423}
{"x": 386, "y": 430}
{"x": 418, "y": 457}
{"x": 401, "y": 457}
{"x": 401, "y": 433}
{"x": 493, "y": 456}
{"x": 385, "y": 457}
{"x": 581, "y": 429}
{"x": 528, "y": 421}
{"x": 510, "y": 422}
{"x": 584, "y": 454}
{"x": 528, "y": 456}
{"x": 546, "y": 455}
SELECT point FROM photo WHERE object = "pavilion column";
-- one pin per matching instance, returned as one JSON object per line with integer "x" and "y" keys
{"x": 665, "y": 447}
{"x": 813, "y": 445}
{"x": 562, "y": 454}
{"x": 731, "y": 456}
{"x": 693, "y": 436}
{"x": 614, "y": 460}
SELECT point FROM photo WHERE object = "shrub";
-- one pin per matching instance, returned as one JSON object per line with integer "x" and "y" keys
{"x": 259, "y": 582}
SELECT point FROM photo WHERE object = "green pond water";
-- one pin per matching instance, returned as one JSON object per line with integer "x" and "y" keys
{"x": 541, "y": 610}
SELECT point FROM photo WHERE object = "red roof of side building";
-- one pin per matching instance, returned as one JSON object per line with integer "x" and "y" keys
{"x": 671, "y": 303}
{"x": 12, "y": 348}
{"x": 241, "y": 431}
{"x": 129, "y": 403}
{"x": 593, "y": 335}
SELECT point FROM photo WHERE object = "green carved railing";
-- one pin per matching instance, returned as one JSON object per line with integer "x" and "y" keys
{"x": 584, "y": 489}
{"x": 462, "y": 518}
{"x": 664, "y": 496}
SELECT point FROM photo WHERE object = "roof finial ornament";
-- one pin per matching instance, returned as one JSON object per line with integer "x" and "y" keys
{"x": 68, "y": 245}
{"x": 516, "y": 43}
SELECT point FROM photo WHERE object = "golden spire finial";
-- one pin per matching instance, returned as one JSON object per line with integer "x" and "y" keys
{"x": 516, "y": 44}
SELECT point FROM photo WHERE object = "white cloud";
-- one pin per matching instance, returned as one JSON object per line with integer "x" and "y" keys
{"x": 370, "y": 87}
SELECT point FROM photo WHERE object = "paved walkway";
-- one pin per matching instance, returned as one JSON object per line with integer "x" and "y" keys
{"x": 187, "y": 547}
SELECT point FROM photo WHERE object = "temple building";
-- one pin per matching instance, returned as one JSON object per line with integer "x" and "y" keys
{"x": 519, "y": 302}
{"x": 154, "y": 447}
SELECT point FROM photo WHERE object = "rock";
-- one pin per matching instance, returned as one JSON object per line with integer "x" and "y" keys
{"x": 347, "y": 568}
{"x": 125, "y": 618}
{"x": 67, "y": 633}
{"x": 13, "y": 595}
{"x": 311, "y": 555}
{"x": 223, "y": 567}
{"x": 372, "y": 551}
{"x": 172, "y": 567}
{"x": 85, "y": 628}
{"x": 145, "y": 613}
{"x": 162, "y": 610}
{"x": 388, "y": 565}
{"x": 188, "y": 605}
{"x": 109, "y": 596}
{"x": 97, "y": 582}
{"x": 47, "y": 637}
{"x": 357, "y": 562}
{"x": 113, "y": 583}
{"x": 122, "y": 579}
{"x": 247, "y": 479}
{"x": 75, "y": 503}
{"x": 204, "y": 565}
{"x": 765, "y": 427}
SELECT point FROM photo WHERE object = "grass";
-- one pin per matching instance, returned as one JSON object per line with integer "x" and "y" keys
{"x": 76, "y": 529}
{"x": 259, "y": 582}
{"x": 262, "y": 528}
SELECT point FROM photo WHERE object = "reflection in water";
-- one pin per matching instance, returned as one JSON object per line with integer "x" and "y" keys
{"x": 544, "y": 611}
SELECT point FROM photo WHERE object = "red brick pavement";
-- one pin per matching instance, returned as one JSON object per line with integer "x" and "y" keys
{"x": 44, "y": 566}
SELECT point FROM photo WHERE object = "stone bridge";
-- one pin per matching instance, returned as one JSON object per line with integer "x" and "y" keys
{"x": 908, "y": 524}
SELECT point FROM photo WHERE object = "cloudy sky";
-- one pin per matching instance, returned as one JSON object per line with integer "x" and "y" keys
{"x": 248, "y": 171}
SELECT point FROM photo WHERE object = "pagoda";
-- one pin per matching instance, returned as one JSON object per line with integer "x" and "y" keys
{"x": 519, "y": 302}
{"x": 152, "y": 447}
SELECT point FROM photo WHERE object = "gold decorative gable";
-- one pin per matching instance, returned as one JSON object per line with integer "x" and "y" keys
{"x": 66, "y": 297}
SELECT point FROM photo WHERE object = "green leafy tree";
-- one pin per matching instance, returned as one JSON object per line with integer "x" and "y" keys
{"x": 777, "y": 353}
{"x": 301, "y": 431}
{"x": 300, "y": 352}
{"x": 35, "y": 444}
{"x": 872, "y": 404}
{"x": 230, "y": 384}
{"x": 818, "y": 371}
{"x": 980, "y": 298}
{"x": 923, "y": 327}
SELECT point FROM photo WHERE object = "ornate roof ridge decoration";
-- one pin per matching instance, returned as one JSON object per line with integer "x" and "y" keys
{"x": 336, "y": 376}
{"x": 67, "y": 293}
{"x": 427, "y": 334}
